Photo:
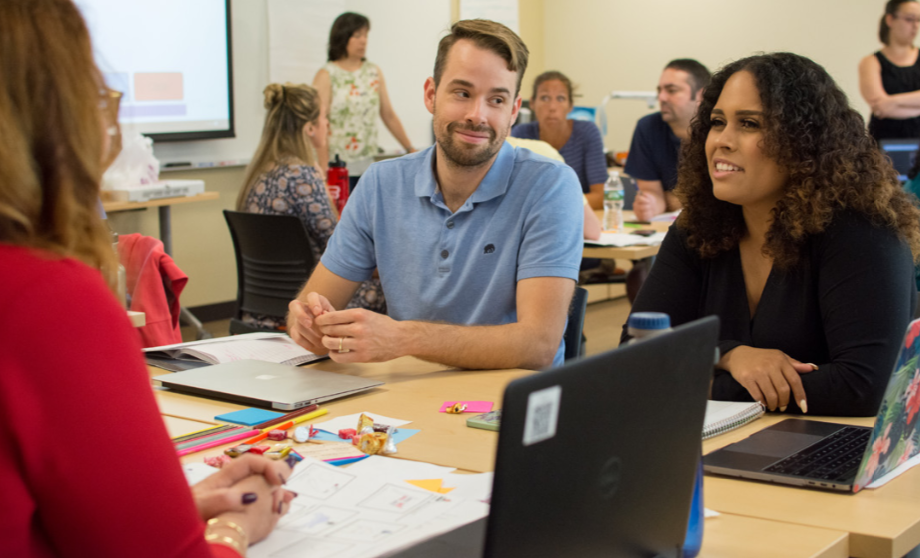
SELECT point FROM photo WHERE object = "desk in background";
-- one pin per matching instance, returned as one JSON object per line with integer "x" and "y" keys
{"x": 165, "y": 216}
{"x": 415, "y": 391}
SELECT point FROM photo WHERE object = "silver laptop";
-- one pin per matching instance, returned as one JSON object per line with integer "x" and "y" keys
{"x": 265, "y": 384}
{"x": 833, "y": 456}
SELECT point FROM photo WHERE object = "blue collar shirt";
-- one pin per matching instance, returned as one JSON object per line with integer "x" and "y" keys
{"x": 524, "y": 220}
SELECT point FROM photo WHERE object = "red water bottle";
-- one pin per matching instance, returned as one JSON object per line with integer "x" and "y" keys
{"x": 337, "y": 182}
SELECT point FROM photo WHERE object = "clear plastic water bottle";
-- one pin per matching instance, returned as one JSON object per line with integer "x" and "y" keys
{"x": 645, "y": 325}
{"x": 613, "y": 203}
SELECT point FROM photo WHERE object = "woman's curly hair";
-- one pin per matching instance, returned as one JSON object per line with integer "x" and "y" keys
{"x": 811, "y": 131}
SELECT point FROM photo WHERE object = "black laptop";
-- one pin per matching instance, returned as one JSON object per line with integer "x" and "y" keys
{"x": 597, "y": 457}
{"x": 832, "y": 456}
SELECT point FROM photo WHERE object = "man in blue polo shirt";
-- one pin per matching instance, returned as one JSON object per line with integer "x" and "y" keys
{"x": 477, "y": 244}
{"x": 656, "y": 141}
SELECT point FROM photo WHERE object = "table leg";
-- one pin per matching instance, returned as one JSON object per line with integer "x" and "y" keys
{"x": 166, "y": 237}
{"x": 166, "y": 228}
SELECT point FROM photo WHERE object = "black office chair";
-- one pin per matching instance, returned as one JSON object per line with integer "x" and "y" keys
{"x": 273, "y": 261}
{"x": 574, "y": 340}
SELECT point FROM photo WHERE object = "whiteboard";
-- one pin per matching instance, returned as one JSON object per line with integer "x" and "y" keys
{"x": 403, "y": 42}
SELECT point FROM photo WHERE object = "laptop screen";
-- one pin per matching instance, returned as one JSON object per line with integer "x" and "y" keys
{"x": 903, "y": 154}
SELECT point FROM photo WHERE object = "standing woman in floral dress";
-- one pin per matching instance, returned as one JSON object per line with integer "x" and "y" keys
{"x": 354, "y": 92}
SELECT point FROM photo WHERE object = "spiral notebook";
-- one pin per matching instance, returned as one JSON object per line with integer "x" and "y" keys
{"x": 722, "y": 416}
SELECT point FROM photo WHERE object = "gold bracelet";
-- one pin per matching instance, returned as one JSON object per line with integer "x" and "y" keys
{"x": 216, "y": 522}
{"x": 227, "y": 541}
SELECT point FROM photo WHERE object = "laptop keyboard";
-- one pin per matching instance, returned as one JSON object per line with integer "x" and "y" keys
{"x": 835, "y": 458}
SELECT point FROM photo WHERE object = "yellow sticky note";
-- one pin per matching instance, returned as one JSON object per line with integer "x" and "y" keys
{"x": 434, "y": 485}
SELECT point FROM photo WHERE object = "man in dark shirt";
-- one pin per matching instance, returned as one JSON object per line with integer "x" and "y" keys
{"x": 656, "y": 141}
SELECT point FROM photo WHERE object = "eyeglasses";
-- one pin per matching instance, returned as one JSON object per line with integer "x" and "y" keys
{"x": 913, "y": 20}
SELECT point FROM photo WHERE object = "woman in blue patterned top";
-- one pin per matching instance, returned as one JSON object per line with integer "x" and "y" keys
{"x": 283, "y": 179}
{"x": 577, "y": 141}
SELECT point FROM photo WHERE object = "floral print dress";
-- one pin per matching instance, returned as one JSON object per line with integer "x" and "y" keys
{"x": 295, "y": 189}
{"x": 353, "y": 115}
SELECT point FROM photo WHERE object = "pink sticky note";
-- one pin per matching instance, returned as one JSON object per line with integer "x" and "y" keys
{"x": 471, "y": 406}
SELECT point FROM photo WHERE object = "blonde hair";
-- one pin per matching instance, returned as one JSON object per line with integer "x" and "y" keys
{"x": 290, "y": 107}
{"x": 51, "y": 134}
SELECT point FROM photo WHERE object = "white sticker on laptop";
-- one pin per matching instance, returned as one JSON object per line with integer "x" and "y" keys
{"x": 542, "y": 415}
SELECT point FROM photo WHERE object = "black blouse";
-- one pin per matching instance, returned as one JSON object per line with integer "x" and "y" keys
{"x": 845, "y": 307}
{"x": 896, "y": 79}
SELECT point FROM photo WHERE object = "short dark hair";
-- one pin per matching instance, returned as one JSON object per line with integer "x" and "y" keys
{"x": 811, "y": 131}
{"x": 343, "y": 28}
{"x": 699, "y": 75}
{"x": 488, "y": 35}
{"x": 552, "y": 75}
{"x": 891, "y": 9}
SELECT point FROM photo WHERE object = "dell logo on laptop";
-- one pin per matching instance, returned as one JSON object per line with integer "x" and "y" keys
{"x": 489, "y": 249}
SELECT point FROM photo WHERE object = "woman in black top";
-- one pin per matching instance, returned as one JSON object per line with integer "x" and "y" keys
{"x": 797, "y": 234}
{"x": 889, "y": 80}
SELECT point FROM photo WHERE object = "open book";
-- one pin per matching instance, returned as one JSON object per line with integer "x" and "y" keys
{"x": 270, "y": 347}
{"x": 722, "y": 416}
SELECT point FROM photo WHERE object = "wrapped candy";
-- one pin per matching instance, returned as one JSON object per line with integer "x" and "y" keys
{"x": 302, "y": 434}
{"x": 237, "y": 451}
{"x": 258, "y": 450}
{"x": 217, "y": 461}
{"x": 277, "y": 435}
{"x": 365, "y": 422}
{"x": 347, "y": 433}
{"x": 378, "y": 443}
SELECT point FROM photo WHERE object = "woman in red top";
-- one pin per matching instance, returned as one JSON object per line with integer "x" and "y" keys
{"x": 86, "y": 465}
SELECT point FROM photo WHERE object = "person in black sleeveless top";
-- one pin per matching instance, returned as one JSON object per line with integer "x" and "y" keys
{"x": 889, "y": 80}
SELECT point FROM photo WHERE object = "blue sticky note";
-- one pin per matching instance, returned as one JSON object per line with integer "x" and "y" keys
{"x": 401, "y": 434}
{"x": 249, "y": 417}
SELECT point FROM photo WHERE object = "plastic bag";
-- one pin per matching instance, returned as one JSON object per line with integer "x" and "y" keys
{"x": 134, "y": 166}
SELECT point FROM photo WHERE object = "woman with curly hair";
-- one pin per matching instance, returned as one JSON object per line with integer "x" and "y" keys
{"x": 797, "y": 234}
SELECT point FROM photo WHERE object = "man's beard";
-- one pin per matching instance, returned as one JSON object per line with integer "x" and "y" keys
{"x": 465, "y": 155}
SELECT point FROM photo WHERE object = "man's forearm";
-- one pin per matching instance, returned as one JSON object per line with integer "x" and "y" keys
{"x": 512, "y": 345}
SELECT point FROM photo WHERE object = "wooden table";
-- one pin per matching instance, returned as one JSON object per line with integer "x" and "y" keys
{"x": 632, "y": 253}
{"x": 415, "y": 390}
{"x": 163, "y": 205}
{"x": 884, "y": 522}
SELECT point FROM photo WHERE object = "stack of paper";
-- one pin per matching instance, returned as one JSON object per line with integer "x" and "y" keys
{"x": 363, "y": 510}
{"x": 620, "y": 240}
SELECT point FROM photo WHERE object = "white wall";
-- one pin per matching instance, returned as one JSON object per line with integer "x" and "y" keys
{"x": 624, "y": 44}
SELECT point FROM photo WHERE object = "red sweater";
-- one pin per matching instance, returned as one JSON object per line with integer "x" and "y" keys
{"x": 86, "y": 465}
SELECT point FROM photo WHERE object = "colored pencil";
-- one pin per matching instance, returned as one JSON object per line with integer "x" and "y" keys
{"x": 208, "y": 445}
{"x": 212, "y": 438}
{"x": 286, "y": 425}
{"x": 287, "y": 417}
{"x": 203, "y": 432}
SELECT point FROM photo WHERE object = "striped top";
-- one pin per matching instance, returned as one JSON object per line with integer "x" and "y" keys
{"x": 584, "y": 151}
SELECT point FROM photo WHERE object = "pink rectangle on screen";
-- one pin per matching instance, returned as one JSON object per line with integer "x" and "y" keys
{"x": 471, "y": 406}
{"x": 160, "y": 86}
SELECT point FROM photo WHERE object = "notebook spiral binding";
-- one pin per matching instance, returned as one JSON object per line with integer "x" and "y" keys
{"x": 740, "y": 419}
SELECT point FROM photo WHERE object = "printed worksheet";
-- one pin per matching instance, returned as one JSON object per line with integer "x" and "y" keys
{"x": 346, "y": 514}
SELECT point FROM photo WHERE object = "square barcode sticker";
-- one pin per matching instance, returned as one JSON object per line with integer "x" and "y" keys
{"x": 542, "y": 415}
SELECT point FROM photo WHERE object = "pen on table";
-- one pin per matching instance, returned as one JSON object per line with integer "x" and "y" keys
{"x": 213, "y": 443}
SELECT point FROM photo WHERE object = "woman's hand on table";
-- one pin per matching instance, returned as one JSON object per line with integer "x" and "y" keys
{"x": 225, "y": 491}
{"x": 769, "y": 375}
{"x": 258, "y": 518}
